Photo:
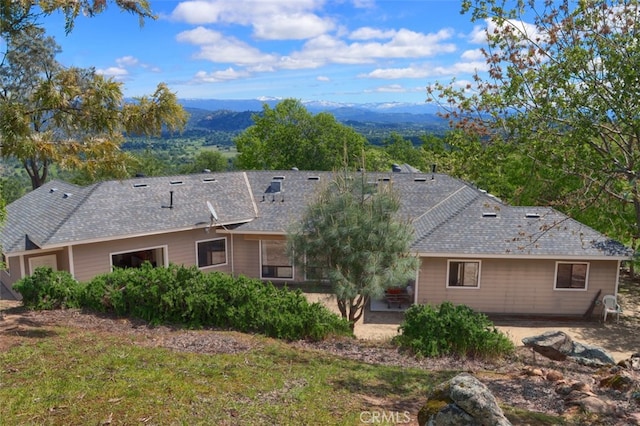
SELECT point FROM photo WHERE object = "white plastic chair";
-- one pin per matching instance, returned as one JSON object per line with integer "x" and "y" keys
{"x": 610, "y": 306}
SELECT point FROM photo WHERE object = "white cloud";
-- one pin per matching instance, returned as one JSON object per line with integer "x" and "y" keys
{"x": 392, "y": 88}
{"x": 472, "y": 55}
{"x": 426, "y": 70}
{"x": 219, "y": 76}
{"x": 478, "y": 35}
{"x": 215, "y": 47}
{"x": 270, "y": 19}
{"x": 127, "y": 61}
{"x": 296, "y": 26}
{"x": 117, "y": 73}
{"x": 368, "y": 33}
{"x": 403, "y": 44}
{"x": 323, "y": 78}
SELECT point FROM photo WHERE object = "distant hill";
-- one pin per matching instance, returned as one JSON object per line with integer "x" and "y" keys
{"x": 223, "y": 120}
{"x": 235, "y": 115}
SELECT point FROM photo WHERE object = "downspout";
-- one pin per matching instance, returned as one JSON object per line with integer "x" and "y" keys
{"x": 72, "y": 269}
{"x": 617, "y": 279}
{"x": 417, "y": 284}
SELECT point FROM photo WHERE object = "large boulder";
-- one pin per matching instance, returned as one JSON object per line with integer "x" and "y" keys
{"x": 463, "y": 400}
{"x": 593, "y": 356}
{"x": 555, "y": 345}
{"x": 558, "y": 346}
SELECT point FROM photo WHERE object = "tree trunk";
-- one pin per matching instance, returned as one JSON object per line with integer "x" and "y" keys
{"x": 38, "y": 175}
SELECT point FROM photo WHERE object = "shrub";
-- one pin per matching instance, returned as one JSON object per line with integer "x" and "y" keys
{"x": 451, "y": 330}
{"x": 49, "y": 289}
{"x": 185, "y": 295}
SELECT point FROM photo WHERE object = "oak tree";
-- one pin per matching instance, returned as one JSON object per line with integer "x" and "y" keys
{"x": 73, "y": 117}
{"x": 288, "y": 136}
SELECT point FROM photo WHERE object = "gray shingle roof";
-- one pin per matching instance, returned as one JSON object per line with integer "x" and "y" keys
{"x": 447, "y": 213}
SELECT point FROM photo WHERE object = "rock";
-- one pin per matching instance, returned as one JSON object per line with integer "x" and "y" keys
{"x": 559, "y": 346}
{"x": 592, "y": 356}
{"x": 632, "y": 363}
{"x": 622, "y": 381}
{"x": 593, "y": 404}
{"x": 530, "y": 371}
{"x": 463, "y": 400}
{"x": 554, "y": 376}
{"x": 573, "y": 389}
{"x": 555, "y": 345}
{"x": 452, "y": 415}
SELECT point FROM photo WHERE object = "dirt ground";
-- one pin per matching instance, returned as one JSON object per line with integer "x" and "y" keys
{"x": 619, "y": 338}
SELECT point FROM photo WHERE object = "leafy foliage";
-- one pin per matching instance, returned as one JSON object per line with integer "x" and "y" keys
{"x": 562, "y": 89}
{"x": 49, "y": 289}
{"x": 182, "y": 295}
{"x": 451, "y": 330}
{"x": 352, "y": 234}
{"x": 289, "y": 136}
{"x": 72, "y": 117}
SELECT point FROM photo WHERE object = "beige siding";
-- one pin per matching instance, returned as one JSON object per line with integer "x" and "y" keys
{"x": 246, "y": 251}
{"x": 93, "y": 259}
{"x": 516, "y": 286}
{"x": 246, "y": 256}
{"x": 20, "y": 264}
{"x": 13, "y": 274}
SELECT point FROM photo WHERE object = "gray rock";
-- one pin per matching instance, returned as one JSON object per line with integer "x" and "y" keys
{"x": 555, "y": 345}
{"x": 632, "y": 363}
{"x": 452, "y": 415}
{"x": 559, "y": 346}
{"x": 463, "y": 400}
{"x": 592, "y": 356}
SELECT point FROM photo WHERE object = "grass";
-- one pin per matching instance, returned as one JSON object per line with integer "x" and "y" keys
{"x": 69, "y": 376}
{"x": 63, "y": 375}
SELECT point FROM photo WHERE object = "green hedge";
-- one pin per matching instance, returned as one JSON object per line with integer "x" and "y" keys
{"x": 451, "y": 330}
{"x": 185, "y": 295}
{"x": 49, "y": 289}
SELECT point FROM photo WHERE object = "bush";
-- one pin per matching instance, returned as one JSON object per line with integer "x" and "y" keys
{"x": 185, "y": 295}
{"x": 49, "y": 289}
{"x": 451, "y": 330}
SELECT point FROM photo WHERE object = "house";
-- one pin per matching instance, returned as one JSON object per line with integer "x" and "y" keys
{"x": 474, "y": 249}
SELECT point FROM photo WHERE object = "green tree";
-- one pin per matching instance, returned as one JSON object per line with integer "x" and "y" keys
{"x": 16, "y": 15}
{"x": 71, "y": 116}
{"x": 352, "y": 233}
{"x": 402, "y": 151}
{"x": 210, "y": 160}
{"x": 289, "y": 136}
{"x": 562, "y": 87}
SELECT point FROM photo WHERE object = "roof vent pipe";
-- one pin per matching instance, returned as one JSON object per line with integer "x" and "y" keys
{"x": 433, "y": 171}
{"x": 170, "y": 206}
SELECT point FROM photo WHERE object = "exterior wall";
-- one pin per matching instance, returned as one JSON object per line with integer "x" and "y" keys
{"x": 246, "y": 256}
{"x": 93, "y": 259}
{"x": 89, "y": 260}
{"x": 10, "y": 276}
{"x": 511, "y": 286}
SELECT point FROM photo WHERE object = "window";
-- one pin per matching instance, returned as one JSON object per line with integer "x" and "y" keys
{"x": 212, "y": 252}
{"x": 135, "y": 259}
{"x": 571, "y": 276}
{"x": 275, "y": 262}
{"x": 316, "y": 273}
{"x": 463, "y": 274}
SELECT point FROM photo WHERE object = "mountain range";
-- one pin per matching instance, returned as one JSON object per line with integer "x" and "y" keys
{"x": 234, "y": 114}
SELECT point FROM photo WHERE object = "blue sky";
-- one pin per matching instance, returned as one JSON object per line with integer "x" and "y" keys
{"x": 355, "y": 51}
